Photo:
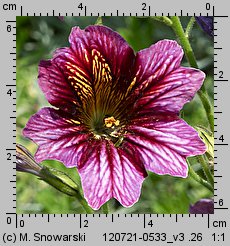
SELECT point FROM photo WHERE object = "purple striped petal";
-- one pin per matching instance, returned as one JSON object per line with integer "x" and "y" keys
{"x": 98, "y": 63}
{"x": 164, "y": 86}
{"x": 164, "y": 142}
{"x": 58, "y": 138}
{"x": 172, "y": 92}
{"x": 156, "y": 62}
{"x": 108, "y": 172}
{"x": 115, "y": 50}
{"x": 55, "y": 86}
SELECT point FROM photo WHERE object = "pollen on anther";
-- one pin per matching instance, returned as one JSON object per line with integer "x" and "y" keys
{"x": 111, "y": 121}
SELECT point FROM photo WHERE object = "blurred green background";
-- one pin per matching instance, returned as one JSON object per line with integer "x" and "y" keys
{"x": 37, "y": 38}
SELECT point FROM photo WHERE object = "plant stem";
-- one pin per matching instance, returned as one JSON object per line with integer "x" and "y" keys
{"x": 84, "y": 204}
{"x": 208, "y": 107}
{"x": 197, "y": 178}
{"x": 189, "y": 27}
{"x": 105, "y": 208}
{"x": 178, "y": 29}
{"x": 206, "y": 169}
{"x": 163, "y": 19}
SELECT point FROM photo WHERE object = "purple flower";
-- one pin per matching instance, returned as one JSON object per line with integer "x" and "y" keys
{"x": 203, "y": 206}
{"x": 206, "y": 23}
{"x": 116, "y": 113}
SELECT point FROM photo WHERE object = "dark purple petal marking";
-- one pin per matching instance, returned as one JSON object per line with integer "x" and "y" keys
{"x": 55, "y": 87}
{"x": 115, "y": 50}
{"x": 164, "y": 143}
{"x": 58, "y": 138}
{"x": 170, "y": 93}
{"x": 108, "y": 172}
{"x": 94, "y": 73}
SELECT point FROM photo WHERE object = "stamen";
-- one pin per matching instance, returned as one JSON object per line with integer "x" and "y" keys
{"x": 111, "y": 121}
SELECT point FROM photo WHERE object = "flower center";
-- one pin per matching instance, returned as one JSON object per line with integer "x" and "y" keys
{"x": 108, "y": 128}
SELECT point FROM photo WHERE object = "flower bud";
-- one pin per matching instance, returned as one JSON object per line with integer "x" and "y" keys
{"x": 25, "y": 161}
{"x": 59, "y": 180}
{"x": 203, "y": 206}
{"x": 206, "y": 23}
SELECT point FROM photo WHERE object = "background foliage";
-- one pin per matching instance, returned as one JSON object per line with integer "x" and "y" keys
{"x": 37, "y": 38}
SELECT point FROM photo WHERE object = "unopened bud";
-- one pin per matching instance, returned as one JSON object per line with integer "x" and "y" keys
{"x": 203, "y": 206}
{"x": 59, "y": 180}
{"x": 25, "y": 161}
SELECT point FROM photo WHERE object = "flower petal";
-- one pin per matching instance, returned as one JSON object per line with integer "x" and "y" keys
{"x": 59, "y": 138}
{"x": 172, "y": 92}
{"x": 115, "y": 50}
{"x": 98, "y": 65}
{"x": 108, "y": 172}
{"x": 164, "y": 142}
{"x": 55, "y": 86}
{"x": 157, "y": 61}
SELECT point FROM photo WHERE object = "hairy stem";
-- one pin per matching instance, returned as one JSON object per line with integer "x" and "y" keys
{"x": 206, "y": 169}
{"x": 163, "y": 19}
{"x": 84, "y": 204}
{"x": 197, "y": 178}
{"x": 189, "y": 27}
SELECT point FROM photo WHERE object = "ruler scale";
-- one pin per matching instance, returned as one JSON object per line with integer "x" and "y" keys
{"x": 116, "y": 229}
